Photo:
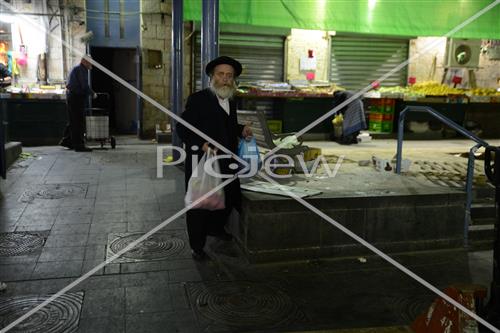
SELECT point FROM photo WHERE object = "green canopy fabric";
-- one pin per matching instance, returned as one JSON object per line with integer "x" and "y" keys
{"x": 381, "y": 17}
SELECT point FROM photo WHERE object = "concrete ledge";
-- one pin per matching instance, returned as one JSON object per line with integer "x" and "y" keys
{"x": 274, "y": 228}
{"x": 12, "y": 152}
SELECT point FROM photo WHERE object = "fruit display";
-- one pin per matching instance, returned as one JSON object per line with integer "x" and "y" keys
{"x": 483, "y": 92}
{"x": 433, "y": 88}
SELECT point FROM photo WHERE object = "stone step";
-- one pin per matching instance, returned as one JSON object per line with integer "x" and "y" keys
{"x": 387, "y": 329}
{"x": 482, "y": 232}
{"x": 484, "y": 209}
{"x": 483, "y": 221}
{"x": 12, "y": 152}
{"x": 480, "y": 245}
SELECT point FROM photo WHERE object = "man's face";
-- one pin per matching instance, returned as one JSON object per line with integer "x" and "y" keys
{"x": 87, "y": 64}
{"x": 222, "y": 81}
{"x": 223, "y": 76}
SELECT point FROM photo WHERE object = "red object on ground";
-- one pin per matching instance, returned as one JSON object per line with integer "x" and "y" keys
{"x": 412, "y": 80}
{"x": 443, "y": 317}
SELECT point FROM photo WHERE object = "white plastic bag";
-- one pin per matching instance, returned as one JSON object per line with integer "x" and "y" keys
{"x": 201, "y": 183}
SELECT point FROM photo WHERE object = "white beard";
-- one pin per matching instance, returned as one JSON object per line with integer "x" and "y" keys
{"x": 224, "y": 91}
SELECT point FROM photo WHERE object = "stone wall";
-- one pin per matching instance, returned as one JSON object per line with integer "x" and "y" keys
{"x": 75, "y": 26}
{"x": 156, "y": 34}
{"x": 298, "y": 43}
{"x": 156, "y": 28}
{"x": 423, "y": 67}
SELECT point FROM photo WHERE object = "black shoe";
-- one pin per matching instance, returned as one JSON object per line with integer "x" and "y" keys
{"x": 83, "y": 149}
{"x": 65, "y": 144}
{"x": 222, "y": 235}
{"x": 199, "y": 255}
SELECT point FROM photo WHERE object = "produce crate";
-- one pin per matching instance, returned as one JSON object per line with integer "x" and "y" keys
{"x": 375, "y": 121}
{"x": 275, "y": 126}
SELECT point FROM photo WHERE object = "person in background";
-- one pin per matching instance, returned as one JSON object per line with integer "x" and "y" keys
{"x": 77, "y": 93}
{"x": 213, "y": 111}
{"x": 5, "y": 75}
{"x": 3, "y": 286}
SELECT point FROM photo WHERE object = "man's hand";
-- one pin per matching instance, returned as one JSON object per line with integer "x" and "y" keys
{"x": 94, "y": 96}
{"x": 206, "y": 147}
{"x": 247, "y": 132}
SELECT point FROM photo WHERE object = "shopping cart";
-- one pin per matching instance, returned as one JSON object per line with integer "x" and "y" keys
{"x": 97, "y": 121}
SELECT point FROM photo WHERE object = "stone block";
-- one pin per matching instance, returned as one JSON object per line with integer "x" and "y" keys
{"x": 151, "y": 6}
{"x": 161, "y": 31}
{"x": 274, "y": 228}
{"x": 150, "y": 31}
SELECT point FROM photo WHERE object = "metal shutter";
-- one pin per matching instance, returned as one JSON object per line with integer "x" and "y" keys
{"x": 262, "y": 56}
{"x": 358, "y": 61}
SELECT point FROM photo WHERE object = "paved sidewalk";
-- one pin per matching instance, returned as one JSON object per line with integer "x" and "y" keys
{"x": 64, "y": 212}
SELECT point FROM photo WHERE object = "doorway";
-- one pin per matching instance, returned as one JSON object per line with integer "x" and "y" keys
{"x": 122, "y": 103}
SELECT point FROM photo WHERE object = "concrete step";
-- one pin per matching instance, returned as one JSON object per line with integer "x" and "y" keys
{"x": 483, "y": 209}
{"x": 482, "y": 232}
{"x": 480, "y": 245}
{"x": 388, "y": 329}
{"x": 483, "y": 221}
{"x": 12, "y": 152}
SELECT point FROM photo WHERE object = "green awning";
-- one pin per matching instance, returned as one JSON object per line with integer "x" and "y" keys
{"x": 381, "y": 17}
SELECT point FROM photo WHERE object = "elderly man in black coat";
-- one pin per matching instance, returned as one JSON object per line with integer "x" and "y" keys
{"x": 213, "y": 111}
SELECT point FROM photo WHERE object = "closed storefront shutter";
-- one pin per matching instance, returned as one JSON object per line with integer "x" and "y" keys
{"x": 262, "y": 56}
{"x": 358, "y": 61}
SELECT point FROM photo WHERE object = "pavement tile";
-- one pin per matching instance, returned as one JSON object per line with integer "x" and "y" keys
{"x": 103, "y": 303}
{"x": 50, "y": 254}
{"x": 16, "y": 272}
{"x": 112, "y": 324}
{"x": 73, "y": 240}
{"x": 76, "y": 228}
{"x": 182, "y": 322}
{"x": 152, "y": 298}
{"x": 57, "y": 269}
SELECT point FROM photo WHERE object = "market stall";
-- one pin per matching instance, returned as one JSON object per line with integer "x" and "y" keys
{"x": 35, "y": 118}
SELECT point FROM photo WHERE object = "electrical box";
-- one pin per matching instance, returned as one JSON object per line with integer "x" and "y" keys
{"x": 463, "y": 52}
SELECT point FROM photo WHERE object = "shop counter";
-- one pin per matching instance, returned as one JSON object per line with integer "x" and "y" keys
{"x": 34, "y": 119}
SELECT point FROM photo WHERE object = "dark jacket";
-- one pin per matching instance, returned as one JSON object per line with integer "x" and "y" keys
{"x": 4, "y": 71}
{"x": 78, "y": 81}
{"x": 204, "y": 112}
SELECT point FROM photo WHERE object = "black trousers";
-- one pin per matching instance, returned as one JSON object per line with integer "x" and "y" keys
{"x": 74, "y": 132}
{"x": 201, "y": 222}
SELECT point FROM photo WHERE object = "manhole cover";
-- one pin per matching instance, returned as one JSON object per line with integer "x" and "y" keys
{"x": 156, "y": 247}
{"x": 244, "y": 305}
{"x": 54, "y": 191}
{"x": 61, "y": 315}
{"x": 20, "y": 243}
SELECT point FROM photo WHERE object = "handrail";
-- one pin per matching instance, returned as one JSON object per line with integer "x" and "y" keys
{"x": 447, "y": 121}
{"x": 470, "y": 166}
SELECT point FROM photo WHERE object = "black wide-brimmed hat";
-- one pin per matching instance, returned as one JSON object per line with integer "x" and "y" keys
{"x": 224, "y": 60}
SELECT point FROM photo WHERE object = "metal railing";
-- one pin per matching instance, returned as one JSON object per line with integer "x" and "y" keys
{"x": 470, "y": 165}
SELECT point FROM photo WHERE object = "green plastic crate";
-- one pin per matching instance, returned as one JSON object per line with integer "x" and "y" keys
{"x": 275, "y": 126}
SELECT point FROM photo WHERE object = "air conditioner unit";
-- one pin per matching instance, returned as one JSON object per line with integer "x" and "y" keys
{"x": 463, "y": 52}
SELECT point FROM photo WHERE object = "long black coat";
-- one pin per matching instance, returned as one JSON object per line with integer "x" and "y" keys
{"x": 204, "y": 112}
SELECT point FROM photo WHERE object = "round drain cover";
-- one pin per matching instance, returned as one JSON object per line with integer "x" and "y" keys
{"x": 157, "y": 246}
{"x": 19, "y": 243}
{"x": 246, "y": 305}
{"x": 61, "y": 315}
{"x": 53, "y": 191}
